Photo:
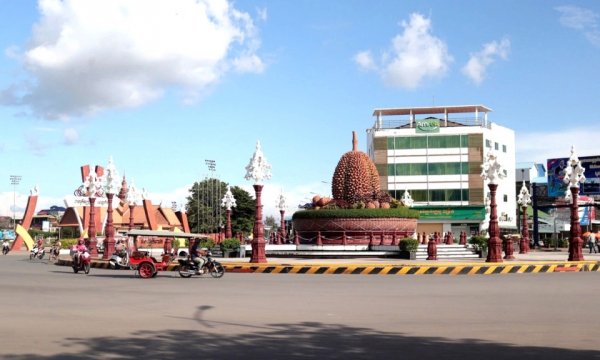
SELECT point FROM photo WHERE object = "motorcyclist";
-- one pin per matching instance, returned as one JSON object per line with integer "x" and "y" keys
{"x": 56, "y": 247}
{"x": 5, "y": 244}
{"x": 196, "y": 253}
{"x": 40, "y": 246}
{"x": 80, "y": 248}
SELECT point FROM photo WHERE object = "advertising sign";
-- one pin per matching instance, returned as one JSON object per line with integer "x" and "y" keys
{"x": 428, "y": 126}
{"x": 76, "y": 201}
{"x": 451, "y": 212}
{"x": 556, "y": 174}
{"x": 45, "y": 225}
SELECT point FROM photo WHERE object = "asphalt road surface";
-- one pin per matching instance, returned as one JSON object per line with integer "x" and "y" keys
{"x": 48, "y": 312}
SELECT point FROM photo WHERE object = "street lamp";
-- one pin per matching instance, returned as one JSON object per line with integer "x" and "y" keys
{"x": 92, "y": 187}
{"x": 133, "y": 197}
{"x": 228, "y": 201}
{"x": 573, "y": 176}
{"x": 14, "y": 181}
{"x": 257, "y": 170}
{"x": 113, "y": 187}
{"x": 492, "y": 170}
{"x": 524, "y": 199}
{"x": 281, "y": 205}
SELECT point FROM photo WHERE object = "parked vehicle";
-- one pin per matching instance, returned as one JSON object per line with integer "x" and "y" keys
{"x": 188, "y": 268}
{"x": 35, "y": 253}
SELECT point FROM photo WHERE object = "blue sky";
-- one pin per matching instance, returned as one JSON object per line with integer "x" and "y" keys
{"x": 162, "y": 86}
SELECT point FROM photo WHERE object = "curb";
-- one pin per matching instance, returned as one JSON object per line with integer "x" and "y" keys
{"x": 393, "y": 269}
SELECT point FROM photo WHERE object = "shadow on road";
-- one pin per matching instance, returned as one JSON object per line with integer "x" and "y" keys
{"x": 307, "y": 340}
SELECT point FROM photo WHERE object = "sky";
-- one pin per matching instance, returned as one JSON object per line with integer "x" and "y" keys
{"x": 162, "y": 86}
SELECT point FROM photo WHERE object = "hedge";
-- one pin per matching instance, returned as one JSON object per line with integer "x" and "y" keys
{"x": 357, "y": 213}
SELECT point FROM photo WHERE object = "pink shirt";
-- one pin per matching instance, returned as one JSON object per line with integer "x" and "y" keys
{"x": 81, "y": 248}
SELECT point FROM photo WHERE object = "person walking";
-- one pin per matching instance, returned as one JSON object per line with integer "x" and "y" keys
{"x": 591, "y": 239}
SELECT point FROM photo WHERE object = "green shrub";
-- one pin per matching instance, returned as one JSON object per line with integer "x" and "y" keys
{"x": 409, "y": 244}
{"x": 479, "y": 242}
{"x": 401, "y": 212}
{"x": 563, "y": 243}
{"x": 66, "y": 243}
{"x": 230, "y": 244}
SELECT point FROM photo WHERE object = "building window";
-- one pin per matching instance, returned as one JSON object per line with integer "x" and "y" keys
{"x": 416, "y": 169}
{"x": 505, "y": 198}
{"x": 496, "y": 146}
{"x": 503, "y": 148}
{"x": 488, "y": 143}
{"x": 441, "y": 142}
{"x": 448, "y": 168}
{"x": 464, "y": 141}
{"x": 442, "y": 195}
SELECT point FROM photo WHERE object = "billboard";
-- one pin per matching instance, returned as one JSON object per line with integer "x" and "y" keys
{"x": 556, "y": 174}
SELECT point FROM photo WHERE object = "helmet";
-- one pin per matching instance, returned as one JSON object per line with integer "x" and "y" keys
{"x": 80, "y": 241}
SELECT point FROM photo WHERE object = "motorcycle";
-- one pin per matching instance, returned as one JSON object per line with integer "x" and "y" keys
{"x": 188, "y": 268}
{"x": 83, "y": 264}
{"x": 54, "y": 252}
{"x": 5, "y": 249}
{"x": 116, "y": 260}
{"x": 35, "y": 253}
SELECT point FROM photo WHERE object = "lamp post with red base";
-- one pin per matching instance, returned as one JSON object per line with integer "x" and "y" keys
{"x": 257, "y": 170}
{"x": 524, "y": 199}
{"x": 573, "y": 176}
{"x": 228, "y": 202}
{"x": 282, "y": 205}
{"x": 93, "y": 188}
{"x": 113, "y": 187}
{"x": 492, "y": 172}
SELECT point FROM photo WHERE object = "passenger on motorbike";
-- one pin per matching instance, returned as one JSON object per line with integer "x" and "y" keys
{"x": 40, "y": 246}
{"x": 196, "y": 254}
{"x": 80, "y": 248}
{"x": 56, "y": 247}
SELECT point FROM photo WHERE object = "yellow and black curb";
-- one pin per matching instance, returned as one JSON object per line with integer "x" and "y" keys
{"x": 393, "y": 269}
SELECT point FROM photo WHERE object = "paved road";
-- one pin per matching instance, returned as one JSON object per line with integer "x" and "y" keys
{"x": 110, "y": 314}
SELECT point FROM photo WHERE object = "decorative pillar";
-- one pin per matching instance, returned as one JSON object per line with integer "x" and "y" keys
{"x": 282, "y": 228}
{"x": 575, "y": 241}
{"x": 463, "y": 238}
{"x": 524, "y": 244}
{"x": 92, "y": 242}
{"x": 319, "y": 240}
{"x": 424, "y": 239}
{"x": 109, "y": 240}
{"x": 168, "y": 247}
{"x": 509, "y": 249}
{"x": 296, "y": 238}
{"x": 344, "y": 239}
{"x": 494, "y": 242}
{"x": 371, "y": 239}
{"x": 228, "y": 233}
{"x": 394, "y": 240}
{"x": 432, "y": 248}
{"x": 258, "y": 243}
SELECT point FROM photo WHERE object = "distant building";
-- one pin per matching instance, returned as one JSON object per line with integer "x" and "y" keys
{"x": 435, "y": 153}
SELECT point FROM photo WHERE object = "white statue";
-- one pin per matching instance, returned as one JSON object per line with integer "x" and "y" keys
{"x": 574, "y": 171}
{"x": 228, "y": 200}
{"x": 113, "y": 180}
{"x": 35, "y": 191}
{"x": 92, "y": 184}
{"x": 407, "y": 199}
{"x": 281, "y": 202}
{"x": 133, "y": 195}
{"x": 524, "y": 198}
{"x": 182, "y": 208}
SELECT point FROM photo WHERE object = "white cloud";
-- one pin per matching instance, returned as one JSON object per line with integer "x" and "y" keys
{"x": 535, "y": 146}
{"x": 71, "y": 136}
{"x": 88, "y": 56}
{"x": 262, "y": 13}
{"x": 478, "y": 63}
{"x": 414, "y": 56}
{"x": 581, "y": 19}
{"x": 365, "y": 60}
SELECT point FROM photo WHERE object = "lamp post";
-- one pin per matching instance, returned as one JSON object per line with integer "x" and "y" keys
{"x": 14, "y": 181}
{"x": 573, "y": 176}
{"x": 228, "y": 201}
{"x": 92, "y": 187}
{"x": 282, "y": 205}
{"x": 133, "y": 196}
{"x": 524, "y": 199}
{"x": 492, "y": 171}
{"x": 258, "y": 169}
{"x": 113, "y": 187}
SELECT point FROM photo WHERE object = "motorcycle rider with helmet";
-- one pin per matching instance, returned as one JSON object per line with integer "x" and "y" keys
{"x": 80, "y": 248}
{"x": 5, "y": 244}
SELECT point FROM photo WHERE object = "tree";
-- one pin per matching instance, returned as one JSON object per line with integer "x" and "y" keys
{"x": 204, "y": 211}
{"x": 242, "y": 216}
{"x": 209, "y": 216}
{"x": 270, "y": 221}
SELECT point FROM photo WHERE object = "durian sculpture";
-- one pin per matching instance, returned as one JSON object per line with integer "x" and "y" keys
{"x": 355, "y": 176}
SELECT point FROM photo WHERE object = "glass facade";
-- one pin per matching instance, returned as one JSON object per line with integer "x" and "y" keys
{"x": 428, "y": 142}
{"x": 434, "y": 195}
{"x": 453, "y": 168}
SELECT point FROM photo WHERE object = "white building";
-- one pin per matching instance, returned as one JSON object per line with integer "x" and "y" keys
{"x": 436, "y": 154}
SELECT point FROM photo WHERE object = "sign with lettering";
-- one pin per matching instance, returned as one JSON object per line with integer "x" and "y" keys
{"x": 451, "y": 212}
{"x": 556, "y": 174}
{"x": 76, "y": 201}
{"x": 428, "y": 126}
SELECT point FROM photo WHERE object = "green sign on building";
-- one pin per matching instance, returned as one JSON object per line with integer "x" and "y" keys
{"x": 427, "y": 126}
{"x": 451, "y": 212}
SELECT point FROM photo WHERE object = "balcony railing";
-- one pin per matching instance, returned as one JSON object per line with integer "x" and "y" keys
{"x": 452, "y": 122}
